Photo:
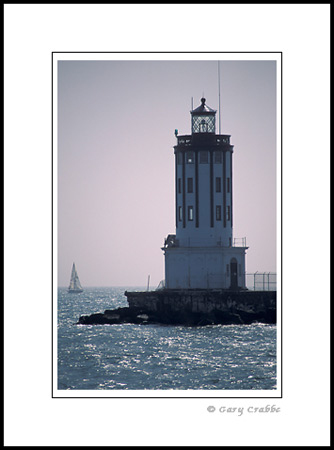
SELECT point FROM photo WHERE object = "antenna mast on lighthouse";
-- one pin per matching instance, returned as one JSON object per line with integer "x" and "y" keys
{"x": 219, "y": 121}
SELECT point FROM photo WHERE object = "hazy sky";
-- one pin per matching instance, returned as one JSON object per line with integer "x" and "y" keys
{"x": 116, "y": 122}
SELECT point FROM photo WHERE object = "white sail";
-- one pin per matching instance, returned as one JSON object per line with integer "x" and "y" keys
{"x": 75, "y": 285}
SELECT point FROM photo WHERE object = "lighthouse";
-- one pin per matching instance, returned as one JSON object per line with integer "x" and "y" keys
{"x": 204, "y": 263}
{"x": 203, "y": 254}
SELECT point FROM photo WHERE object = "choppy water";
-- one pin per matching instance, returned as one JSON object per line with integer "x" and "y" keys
{"x": 128, "y": 356}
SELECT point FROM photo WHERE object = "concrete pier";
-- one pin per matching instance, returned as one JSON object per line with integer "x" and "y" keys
{"x": 192, "y": 307}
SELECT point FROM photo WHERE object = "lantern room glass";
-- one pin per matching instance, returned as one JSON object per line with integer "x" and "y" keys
{"x": 203, "y": 124}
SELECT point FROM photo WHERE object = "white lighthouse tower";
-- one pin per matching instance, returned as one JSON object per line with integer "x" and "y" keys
{"x": 203, "y": 253}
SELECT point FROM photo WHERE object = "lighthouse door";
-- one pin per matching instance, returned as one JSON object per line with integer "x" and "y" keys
{"x": 234, "y": 273}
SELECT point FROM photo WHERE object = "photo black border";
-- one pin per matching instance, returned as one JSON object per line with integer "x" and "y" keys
{"x": 52, "y": 218}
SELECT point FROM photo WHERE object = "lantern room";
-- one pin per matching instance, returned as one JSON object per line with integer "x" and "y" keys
{"x": 203, "y": 119}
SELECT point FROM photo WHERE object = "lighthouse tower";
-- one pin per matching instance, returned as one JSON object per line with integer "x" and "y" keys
{"x": 203, "y": 253}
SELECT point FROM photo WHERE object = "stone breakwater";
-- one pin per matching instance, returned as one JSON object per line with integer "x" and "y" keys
{"x": 191, "y": 307}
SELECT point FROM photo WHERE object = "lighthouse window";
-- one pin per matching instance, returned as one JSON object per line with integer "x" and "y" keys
{"x": 180, "y": 213}
{"x": 190, "y": 187}
{"x": 190, "y": 213}
{"x": 228, "y": 185}
{"x": 218, "y": 184}
{"x": 179, "y": 185}
{"x": 203, "y": 157}
{"x": 190, "y": 157}
{"x": 218, "y": 157}
{"x": 228, "y": 214}
{"x": 218, "y": 212}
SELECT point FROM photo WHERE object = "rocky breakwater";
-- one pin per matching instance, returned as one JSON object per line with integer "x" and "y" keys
{"x": 191, "y": 308}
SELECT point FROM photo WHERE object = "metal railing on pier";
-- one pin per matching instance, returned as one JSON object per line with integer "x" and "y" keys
{"x": 265, "y": 281}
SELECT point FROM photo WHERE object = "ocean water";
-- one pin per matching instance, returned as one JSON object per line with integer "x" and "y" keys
{"x": 127, "y": 356}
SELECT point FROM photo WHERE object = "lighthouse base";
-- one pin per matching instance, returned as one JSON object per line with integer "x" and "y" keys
{"x": 205, "y": 267}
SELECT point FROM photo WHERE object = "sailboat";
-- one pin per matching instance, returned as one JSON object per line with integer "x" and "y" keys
{"x": 75, "y": 286}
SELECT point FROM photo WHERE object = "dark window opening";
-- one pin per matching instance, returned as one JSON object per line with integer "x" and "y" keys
{"x": 228, "y": 185}
{"x": 203, "y": 157}
{"x": 190, "y": 187}
{"x": 234, "y": 273}
{"x": 218, "y": 157}
{"x": 218, "y": 212}
{"x": 179, "y": 185}
{"x": 190, "y": 157}
{"x": 218, "y": 184}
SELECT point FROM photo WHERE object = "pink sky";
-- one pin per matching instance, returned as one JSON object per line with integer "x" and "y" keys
{"x": 116, "y": 122}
